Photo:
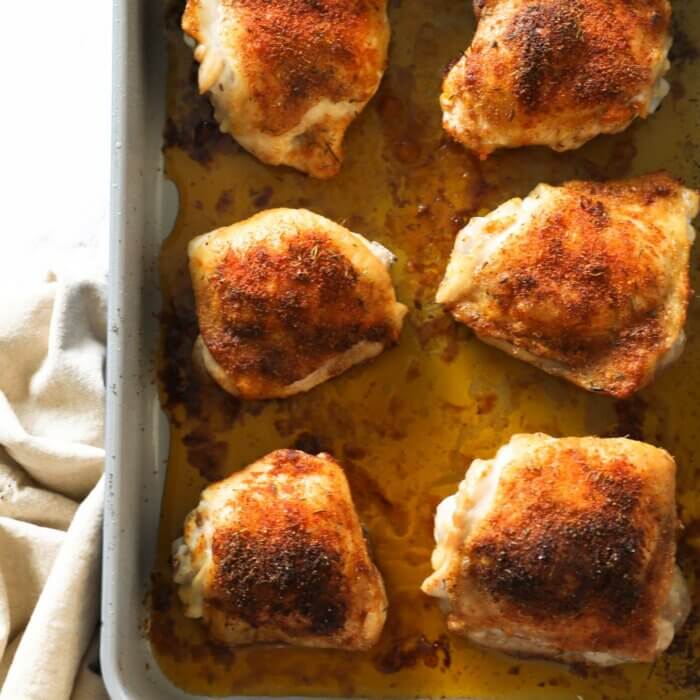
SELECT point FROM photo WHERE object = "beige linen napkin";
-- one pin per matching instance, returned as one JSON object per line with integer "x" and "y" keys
{"x": 52, "y": 352}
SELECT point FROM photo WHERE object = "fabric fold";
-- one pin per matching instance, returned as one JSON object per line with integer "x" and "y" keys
{"x": 52, "y": 355}
{"x": 64, "y": 619}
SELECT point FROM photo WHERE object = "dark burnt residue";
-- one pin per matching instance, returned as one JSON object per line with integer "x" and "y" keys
{"x": 191, "y": 125}
{"x": 219, "y": 653}
{"x": 163, "y": 628}
{"x": 224, "y": 202}
{"x": 163, "y": 636}
{"x": 451, "y": 350}
{"x": 408, "y": 653}
{"x": 173, "y": 14}
{"x": 261, "y": 198}
{"x": 183, "y": 382}
{"x": 682, "y": 662}
{"x": 179, "y": 326}
{"x": 310, "y": 443}
{"x": 460, "y": 219}
{"x": 619, "y": 162}
{"x": 354, "y": 452}
{"x": 485, "y": 404}
{"x": 580, "y": 670}
{"x": 426, "y": 206}
{"x": 678, "y": 91}
{"x": 162, "y": 594}
{"x": 369, "y": 495}
{"x": 683, "y": 50}
{"x": 205, "y": 453}
{"x": 441, "y": 326}
{"x": 404, "y": 127}
{"x": 196, "y": 134}
{"x": 630, "y": 419}
{"x": 295, "y": 581}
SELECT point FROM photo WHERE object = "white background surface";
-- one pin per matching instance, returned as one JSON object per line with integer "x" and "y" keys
{"x": 55, "y": 120}
{"x": 54, "y": 134}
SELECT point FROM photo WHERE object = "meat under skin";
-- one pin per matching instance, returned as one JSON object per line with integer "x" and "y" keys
{"x": 288, "y": 299}
{"x": 587, "y": 281}
{"x": 563, "y": 549}
{"x": 287, "y": 77}
{"x": 276, "y": 553}
{"x": 557, "y": 72}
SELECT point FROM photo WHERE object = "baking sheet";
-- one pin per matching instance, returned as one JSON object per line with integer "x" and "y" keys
{"x": 407, "y": 425}
{"x": 142, "y": 208}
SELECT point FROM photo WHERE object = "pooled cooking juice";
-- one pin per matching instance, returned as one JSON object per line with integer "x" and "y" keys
{"x": 407, "y": 425}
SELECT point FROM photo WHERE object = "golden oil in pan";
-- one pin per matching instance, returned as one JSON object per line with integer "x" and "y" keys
{"x": 407, "y": 424}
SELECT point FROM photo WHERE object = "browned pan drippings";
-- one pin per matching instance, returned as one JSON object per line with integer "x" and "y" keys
{"x": 406, "y": 425}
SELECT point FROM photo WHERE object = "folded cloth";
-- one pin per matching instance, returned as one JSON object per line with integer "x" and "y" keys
{"x": 52, "y": 353}
{"x": 52, "y": 382}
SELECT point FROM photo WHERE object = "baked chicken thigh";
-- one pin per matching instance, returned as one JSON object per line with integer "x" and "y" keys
{"x": 286, "y": 77}
{"x": 557, "y": 72}
{"x": 288, "y": 299}
{"x": 586, "y": 281}
{"x": 563, "y": 548}
{"x": 275, "y": 553}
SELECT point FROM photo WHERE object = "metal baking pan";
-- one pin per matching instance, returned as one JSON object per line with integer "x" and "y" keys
{"x": 136, "y": 440}
{"x": 143, "y": 213}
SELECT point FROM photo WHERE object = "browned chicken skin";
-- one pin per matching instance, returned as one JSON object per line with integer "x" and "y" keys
{"x": 288, "y": 299}
{"x": 276, "y": 553}
{"x": 557, "y": 72}
{"x": 287, "y": 77}
{"x": 587, "y": 281}
{"x": 563, "y": 548}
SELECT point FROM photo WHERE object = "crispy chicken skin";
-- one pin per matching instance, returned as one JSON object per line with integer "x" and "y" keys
{"x": 563, "y": 548}
{"x": 557, "y": 72}
{"x": 287, "y": 77}
{"x": 288, "y": 299}
{"x": 585, "y": 281}
{"x": 276, "y": 553}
